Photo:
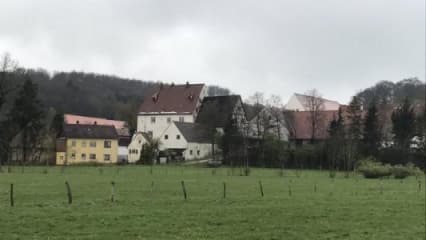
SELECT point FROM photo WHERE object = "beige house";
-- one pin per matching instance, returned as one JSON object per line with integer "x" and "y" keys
{"x": 299, "y": 102}
{"x": 87, "y": 144}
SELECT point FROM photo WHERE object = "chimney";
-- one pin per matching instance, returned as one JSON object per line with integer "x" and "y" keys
{"x": 187, "y": 85}
{"x": 78, "y": 122}
{"x": 173, "y": 84}
{"x": 96, "y": 123}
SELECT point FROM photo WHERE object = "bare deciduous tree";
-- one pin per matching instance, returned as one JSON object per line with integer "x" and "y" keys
{"x": 258, "y": 102}
{"x": 315, "y": 105}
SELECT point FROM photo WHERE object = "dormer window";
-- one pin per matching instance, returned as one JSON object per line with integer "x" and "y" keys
{"x": 152, "y": 119}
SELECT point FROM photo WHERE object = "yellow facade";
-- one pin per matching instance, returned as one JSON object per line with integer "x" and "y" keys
{"x": 103, "y": 151}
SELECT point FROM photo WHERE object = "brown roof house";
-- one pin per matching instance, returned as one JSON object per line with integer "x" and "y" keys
{"x": 160, "y": 109}
{"x": 299, "y": 125}
{"x": 166, "y": 104}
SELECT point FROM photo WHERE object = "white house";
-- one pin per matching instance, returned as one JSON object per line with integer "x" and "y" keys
{"x": 299, "y": 102}
{"x": 135, "y": 146}
{"x": 167, "y": 104}
{"x": 186, "y": 141}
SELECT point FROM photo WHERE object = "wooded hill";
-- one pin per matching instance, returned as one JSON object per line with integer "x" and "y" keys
{"x": 96, "y": 95}
{"x": 386, "y": 92}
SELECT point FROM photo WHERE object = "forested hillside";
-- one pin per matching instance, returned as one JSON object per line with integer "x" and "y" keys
{"x": 386, "y": 92}
{"x": 96, "y": 94}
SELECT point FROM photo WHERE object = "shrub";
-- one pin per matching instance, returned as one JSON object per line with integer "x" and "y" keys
{"x": 399, "y": 171}
{"x": 370, "y": 168}
{"x": 403, "y": 171}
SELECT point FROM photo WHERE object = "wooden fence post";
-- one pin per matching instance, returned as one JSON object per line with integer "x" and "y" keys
{"x": 69, "y": 194}
{"x": 112, "y": 190}
{"x": 224, "y": 190}
{"x": 261, "y": 188}
{"x": 289, "y": 190}
{"x": 184, "y": 190}
{"x": 420, "y": 186}
{"x": 12, "y": 203}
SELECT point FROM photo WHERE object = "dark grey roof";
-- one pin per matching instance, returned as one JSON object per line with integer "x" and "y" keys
{"x": 217, "y": 110}
{"x": 193, "y": 132}
{"x": 89, "y": 131}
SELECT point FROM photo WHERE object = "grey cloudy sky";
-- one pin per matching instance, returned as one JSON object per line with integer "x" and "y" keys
{"x": 276, "y": 47}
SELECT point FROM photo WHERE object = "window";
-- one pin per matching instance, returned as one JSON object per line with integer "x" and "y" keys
{"x": 107, "y": 144}
{"x": 190, "y": 152}
{"x": 107, "y": 157}
{"x": 92, "y": 156}
{"x": 169, "y": 120}
{"x": 152, "y": 119}
{"x": 150, "y": 133}
{"x": 83, "y": 144}
{"x": 61, "y": 157}
{"x": 198, "y": 152}
{"x": 166, "y": 136}
{"x": 181, "y": 119}
{"x": 92, "y": 143}
{"x": 73, "y": 143}
{"x": 83, "y": 156}
{"x": 72, "y": 155}
{"x": 136, "y": 151}
{"x": 178, "y": 137}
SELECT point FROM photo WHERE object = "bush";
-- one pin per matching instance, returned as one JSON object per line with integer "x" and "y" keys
{"x": 401, "y": 171}
{"x": 370, "y": 168}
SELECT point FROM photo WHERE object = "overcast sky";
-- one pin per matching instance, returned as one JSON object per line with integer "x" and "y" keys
{"x": 276, "y": 47}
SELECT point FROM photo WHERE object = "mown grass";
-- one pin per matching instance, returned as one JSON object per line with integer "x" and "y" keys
{"x": 340, "y": 208}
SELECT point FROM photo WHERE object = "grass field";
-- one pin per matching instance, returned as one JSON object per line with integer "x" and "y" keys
{"x": 311, "y": 206}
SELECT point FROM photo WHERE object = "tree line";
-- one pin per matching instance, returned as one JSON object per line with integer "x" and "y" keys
{"x": 387, "y": 127}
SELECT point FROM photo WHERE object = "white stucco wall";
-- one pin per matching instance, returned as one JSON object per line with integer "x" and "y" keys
{"x": 172, "y": 141}
{"x": 144, "y": 123}
{"x": 199, "y": 150}
{"x": 135, "y": 147}
{"x": 294, "y": 104}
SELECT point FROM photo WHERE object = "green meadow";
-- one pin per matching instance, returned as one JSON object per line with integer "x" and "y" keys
{"x": 150, "y": 204}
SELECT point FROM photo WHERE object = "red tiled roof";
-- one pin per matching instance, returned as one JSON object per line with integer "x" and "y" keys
{"x": 302, "y": 127}
{"x": 120, "y": 126}
{"x": 177, "y": 98}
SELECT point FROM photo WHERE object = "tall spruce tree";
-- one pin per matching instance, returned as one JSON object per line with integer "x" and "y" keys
{"x": 336, "y": 143}
{"x": 372, "y": 131}
{"x": 354, "y": 130}
{"x": 27, "y": 115}
{"x": 403, "y": 125}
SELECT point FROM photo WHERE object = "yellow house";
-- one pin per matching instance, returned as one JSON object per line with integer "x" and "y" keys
{"x": 87, "y": 144}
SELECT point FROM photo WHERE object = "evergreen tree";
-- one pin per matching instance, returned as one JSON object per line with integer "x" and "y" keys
{"x": 372, "y": 131}
{"x": 336, "y": 143}
{"x": 354, "y": 130}
{"x": 27, "y": 115}
{"x": 403, "y": 125}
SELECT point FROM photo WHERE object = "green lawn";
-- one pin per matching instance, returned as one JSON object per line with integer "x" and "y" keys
{"x": 343, "y": 208}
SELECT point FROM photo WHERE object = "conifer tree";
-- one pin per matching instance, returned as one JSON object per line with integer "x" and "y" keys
{"x": 403, "y": 125}
{"x": 372, "y": 131}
